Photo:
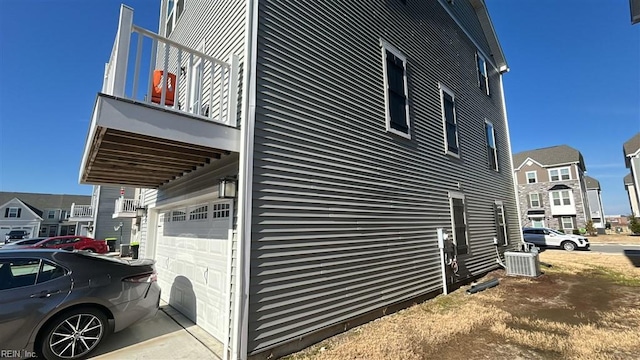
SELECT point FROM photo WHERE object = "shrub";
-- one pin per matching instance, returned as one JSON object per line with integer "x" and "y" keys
{"x": 634, "y": 224}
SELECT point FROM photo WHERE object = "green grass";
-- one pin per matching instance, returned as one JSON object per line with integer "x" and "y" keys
{"x": 614, "y": 276}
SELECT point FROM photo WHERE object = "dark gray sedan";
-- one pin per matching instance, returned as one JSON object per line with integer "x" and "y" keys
{"x": 60, "y": 305}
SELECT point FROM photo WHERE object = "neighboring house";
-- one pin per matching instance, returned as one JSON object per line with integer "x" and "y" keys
{"x": 618, "y": 223}
{"x": 306, "y": 157}
{"x": 594, "y": 197}
{"x": 551, "y": 188}
{"x": 632, "y": 193}
{"x": 103, "y": 214}
{"x": 631, "y": 150}
{"x": 40, "y": 214}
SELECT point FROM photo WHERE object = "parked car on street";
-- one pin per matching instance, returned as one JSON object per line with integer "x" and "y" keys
{"x": 70, "y": 242}
{"x": 20, "y": 243}
{"x": 62, "y": 304}
{"x": 16, "y": 235}
{"x": 553, "y": 238}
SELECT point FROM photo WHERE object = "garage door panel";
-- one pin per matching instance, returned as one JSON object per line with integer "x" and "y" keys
{"x": 192, "y": 255}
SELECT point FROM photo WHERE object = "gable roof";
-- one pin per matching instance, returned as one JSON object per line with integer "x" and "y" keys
{"x": 591, "y": 183}
{"x": 35, "y": 211}
{"x": 632, "y": 145}
{"x": 550, "y": 156}
{"x": 628, "y": 180}
{"x": 39, "y": 202}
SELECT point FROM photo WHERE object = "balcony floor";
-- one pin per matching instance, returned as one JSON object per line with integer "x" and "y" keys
{"x": 137, "y": 144}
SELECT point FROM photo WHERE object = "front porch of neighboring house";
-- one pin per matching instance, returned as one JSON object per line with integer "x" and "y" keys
{"x": 147, "y": 128}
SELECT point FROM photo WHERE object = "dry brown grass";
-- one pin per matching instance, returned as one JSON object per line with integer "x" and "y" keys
{"x": 615, "y": 239}
{"x": 584, "y": 307}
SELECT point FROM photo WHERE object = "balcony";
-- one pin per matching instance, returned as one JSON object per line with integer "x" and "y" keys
{"x": 81, "y": 213}
{"x": 125, "y": 208}
{"x": 147, "y": 128}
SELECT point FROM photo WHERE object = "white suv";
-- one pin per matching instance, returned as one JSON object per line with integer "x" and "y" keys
{"x": 550, "y": 237}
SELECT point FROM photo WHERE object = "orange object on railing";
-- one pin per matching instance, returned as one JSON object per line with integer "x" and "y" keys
{"x": 157, "y": 88}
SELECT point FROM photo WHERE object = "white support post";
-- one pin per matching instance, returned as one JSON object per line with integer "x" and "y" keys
{"x": 164, "y": 79}
{"x": 136, "y": 72}
{"x": 176, "y": 86}
{"x": 121, "y": 57}
{"x": 232, "y": 107}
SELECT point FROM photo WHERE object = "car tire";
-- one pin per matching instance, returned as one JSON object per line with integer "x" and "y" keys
{"x": 93, "y": 327}
{"x": 568, "y": 245}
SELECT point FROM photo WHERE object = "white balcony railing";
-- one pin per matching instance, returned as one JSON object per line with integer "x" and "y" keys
{"x": 81, "y": 212}
{"x": 126, "y": 207}
{"x": 197, "y": 84}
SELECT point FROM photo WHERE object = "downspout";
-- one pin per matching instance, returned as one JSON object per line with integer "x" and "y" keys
{"x": 245, "y": 175}
{"x": 515, "y": 183}
{"x": 94, "y": 213}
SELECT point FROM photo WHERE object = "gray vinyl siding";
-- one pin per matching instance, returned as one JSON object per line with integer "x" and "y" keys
{"x": 221, "y": 24}
{"x": 344, "y": 213}
{"x": 105, "y": 222}
{"x": 466, "y": 15}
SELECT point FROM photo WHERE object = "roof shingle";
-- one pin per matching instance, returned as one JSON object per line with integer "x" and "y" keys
{"x": 550, "y": 156}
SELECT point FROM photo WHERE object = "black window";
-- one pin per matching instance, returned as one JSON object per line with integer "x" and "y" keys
{"x": 483, "y": 79}
{"x": 492, "y": 151}
{"x": 451, "y": 127}
{"x": 50, "y": 271}
{"x": 396, "y": 93}
{"x": 501, "y": 226}
{"x": 459, "y": 226}
{"x": 15, "y": 273}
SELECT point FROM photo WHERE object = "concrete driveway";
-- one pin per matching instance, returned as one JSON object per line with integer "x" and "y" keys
{"x": 168, "y": 335}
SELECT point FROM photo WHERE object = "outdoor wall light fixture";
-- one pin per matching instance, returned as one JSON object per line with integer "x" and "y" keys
{"x": 227, "y": 188}
{"x": 141, "y": 211}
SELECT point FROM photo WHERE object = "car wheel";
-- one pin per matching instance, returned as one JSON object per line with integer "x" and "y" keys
{"x": 73, "y": 334}
{"x": 568, "y": 245}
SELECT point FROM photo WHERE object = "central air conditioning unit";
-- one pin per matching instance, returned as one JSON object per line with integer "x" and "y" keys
{"x": 522, "y": 263}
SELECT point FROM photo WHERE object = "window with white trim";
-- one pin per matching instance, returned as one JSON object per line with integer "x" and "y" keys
{"x": 483, "y": 78}
{"x": 534, "y": 200}
{"x": 199, "y": 213}
{"x": 560, "y": 174}
{"x": 51, "y": 214}
{"x": 178, "y": 215}
{"x": 221, "y": 210}
{"x": 448, "y": 108}
{"x": 12, "y": 212}
{"x": 459, "y": 223}
{"x": 174, "y": 10}
{"x": 567, "y": 222}
{"x": 532, "y": 177}
{"x": 560, "y": 198}
{"x": 394, "y": 65}
{"x": 492, "y": 150}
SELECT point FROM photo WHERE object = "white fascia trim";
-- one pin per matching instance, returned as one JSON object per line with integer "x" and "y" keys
{"x": 514, "y": 180}
{"x": 385, "y": 46}
{"x": 478, "y": 48}
{"x": 240, "y": 327}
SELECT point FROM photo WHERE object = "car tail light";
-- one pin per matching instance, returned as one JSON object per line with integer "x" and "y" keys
{"x": 144, "y": 278}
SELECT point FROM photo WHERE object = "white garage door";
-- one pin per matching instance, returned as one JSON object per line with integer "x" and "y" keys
{"x": 192, "y": 260}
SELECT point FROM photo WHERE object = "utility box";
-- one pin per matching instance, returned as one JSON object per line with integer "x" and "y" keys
{"x": 522, "y": 263}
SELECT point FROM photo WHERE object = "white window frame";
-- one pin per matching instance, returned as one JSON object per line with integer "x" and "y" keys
{"x": 538, "y": 200}
{"x": 444, "y": 89}
{"x": 51, "y": 214}
{"x": 178, "y": 215}
{"x": 172, "y": 16}
{"x": 489, "y": 125}
{"x": 539, "y": 220}
{"x": 559, "y": 171}
{"x": 221, "y": 210}
{"x": 535, "y": 177}
{"x": 561, "y": 197}
{"x": 13, "y": 212}
{"x": 199, "y": 212}
{"x": 457, "y": 195}
{"x": 562, "y": 220}
{"x": 392, "y": 49}
{"x": 482, "y": 72}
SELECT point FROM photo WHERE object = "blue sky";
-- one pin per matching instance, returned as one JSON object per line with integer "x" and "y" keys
{"x": 574, "y": 79}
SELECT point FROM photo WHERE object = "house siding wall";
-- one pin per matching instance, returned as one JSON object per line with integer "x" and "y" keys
{"x": 344, "y": 213}
{"x": 105, "y": 222}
